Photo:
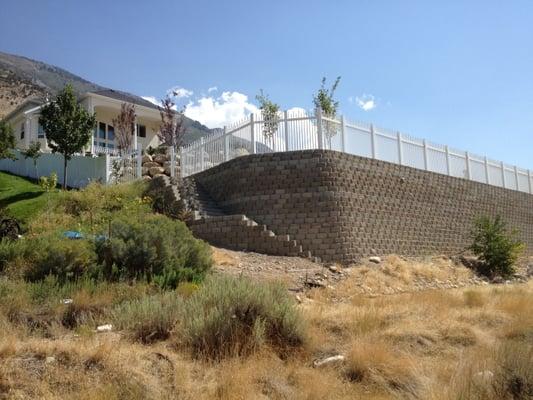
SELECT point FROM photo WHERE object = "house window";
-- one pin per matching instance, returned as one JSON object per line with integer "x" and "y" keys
{"x": 40, "y": 132}
{"x": 141, "y": 131}
{"x": 101, "y": 130}
{"x": 22, "y": 131}
{"x": 110, "y": 132}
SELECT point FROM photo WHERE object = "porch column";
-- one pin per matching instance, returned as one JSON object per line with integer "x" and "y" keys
{"x": 91, "y": 110}
{"x": 27, "y": 132}
{"x": 135, "y": 145}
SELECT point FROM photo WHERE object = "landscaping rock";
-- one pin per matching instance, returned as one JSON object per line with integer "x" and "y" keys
{"x": 151, "y": 164}
{"x": 147, "y": 158}
{"x": 329, "y": 360}
{"x": 160, "y": 158}
{"x": 104, "y": 328}
{"x": 375, "y": 259}
{"x": 154, "y": 171}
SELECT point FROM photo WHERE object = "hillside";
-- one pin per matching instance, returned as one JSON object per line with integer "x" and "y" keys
{"x": 22, "y": 78}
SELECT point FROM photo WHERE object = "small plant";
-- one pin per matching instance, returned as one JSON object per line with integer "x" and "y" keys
{"x": 124, "y": 125}
{"x": 150, "y": 318}
{"x": 33, "y": 152}
{"x": 235, "y": 316}
{"x": 496, "y": 248}
{"x": 325, "y": 102}
{"x": 9, "y": 226}
{"x": 269, "y": 112}
{"x": 48, "y": 183}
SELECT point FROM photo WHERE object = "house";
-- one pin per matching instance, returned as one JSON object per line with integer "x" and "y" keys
{"x": 106, "y": 105}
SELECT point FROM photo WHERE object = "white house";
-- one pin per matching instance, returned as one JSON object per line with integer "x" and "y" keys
{"x": 106, "y": 105}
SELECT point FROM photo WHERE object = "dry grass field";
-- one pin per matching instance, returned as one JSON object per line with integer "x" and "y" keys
{"x": 469, "y": 343}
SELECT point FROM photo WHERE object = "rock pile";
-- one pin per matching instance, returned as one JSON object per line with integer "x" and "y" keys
{"x": 157, "y": 165}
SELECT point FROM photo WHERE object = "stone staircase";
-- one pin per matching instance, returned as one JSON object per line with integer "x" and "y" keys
{"x": 235, "y": 232}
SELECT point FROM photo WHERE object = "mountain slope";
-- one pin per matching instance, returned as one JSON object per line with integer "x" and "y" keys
{"x": 22, "y": 78}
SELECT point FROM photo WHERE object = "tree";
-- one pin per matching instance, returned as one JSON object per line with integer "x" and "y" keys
{"x": 68, "y": 126}
{"x": 7, "y": 141}
{"x": 324, "y": 101}
{"x": 33, "y": 152}
{"x": 497, "y": 248}
{"x": 172, "y": 127}
{"x": 124, "y": 125}
{"x": 269, "y": 112}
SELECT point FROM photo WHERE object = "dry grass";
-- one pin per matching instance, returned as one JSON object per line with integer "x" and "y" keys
{"x": 445, "y": 344}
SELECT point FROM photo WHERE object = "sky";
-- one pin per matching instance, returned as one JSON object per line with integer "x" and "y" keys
{"x": 453, "y": 72}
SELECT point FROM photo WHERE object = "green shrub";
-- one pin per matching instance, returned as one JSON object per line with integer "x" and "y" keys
{"x": 65, "y": 259}
{"x": 234, "y": 316}
{"x": 496, "y": 248}
{"x": 152, "y": 247}
{"x": 150, "y": 318}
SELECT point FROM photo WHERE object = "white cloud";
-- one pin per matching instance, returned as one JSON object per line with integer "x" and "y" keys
{"x": 152, "y": 100}
{"x": 216, "y": 112}
{"x": 366, "y": 102}
{"x": 212, "y": 89}
{"x": 179, "y": 92}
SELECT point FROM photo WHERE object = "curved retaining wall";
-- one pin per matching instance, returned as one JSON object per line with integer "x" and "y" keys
{"x": 342, "y": 207}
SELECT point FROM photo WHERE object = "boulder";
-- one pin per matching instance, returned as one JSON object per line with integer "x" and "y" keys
{"x": 145, "y": 171}
{"x": 151, "y": 164}
{"x": 160, "y": 158}
{"x": 374, "y": 259}
{"x": 147, "y": 158}
{"x": 154, "y": 171}
{"x": 146, "y": 178}
{"x": 328, "y": 360}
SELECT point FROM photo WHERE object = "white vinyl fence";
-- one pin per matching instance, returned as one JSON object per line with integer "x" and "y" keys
{"x": 81, "y": 170}
{"x": 299, "y": 131}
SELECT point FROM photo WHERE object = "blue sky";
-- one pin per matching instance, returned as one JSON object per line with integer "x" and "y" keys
{"x": 454, "y": 72}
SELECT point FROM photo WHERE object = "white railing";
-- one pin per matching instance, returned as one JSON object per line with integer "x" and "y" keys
{"x": 104, "y": 150}
{"x": 300, "y": 131}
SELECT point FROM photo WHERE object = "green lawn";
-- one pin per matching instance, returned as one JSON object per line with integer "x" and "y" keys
{"x": 22, "y": 198}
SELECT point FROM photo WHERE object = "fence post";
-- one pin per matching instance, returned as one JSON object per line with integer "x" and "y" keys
{"x": 373, "y": 140}
{"x": 172, "y": 162}
{"x": 487, "y": 175}
{"x": 343, "y": 134}
{"x": 202, "y": 163}
{"x": 503, "y": 173}
{"x": 319, "y": 127}
{"x": 448, "y": 169}
{"x": 252, "y": 130}
{"x": 139, "y": 161}
{"x": 286, "y": 124}
{"x": 516, "y": 176}
{"x": 107, "y": 168}
{"x": 425, "y": 154}
{"x": 468, "y": 173}
{"x": 529, "y": 181}
{"x": 226, "y": 144}
{"x": 400, "y": 150}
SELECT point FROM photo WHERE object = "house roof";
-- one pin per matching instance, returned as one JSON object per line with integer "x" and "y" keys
{"x": 126, "y": 97}
{"x": 24, "y": 106}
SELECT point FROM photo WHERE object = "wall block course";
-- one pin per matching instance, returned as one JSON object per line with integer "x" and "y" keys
{"x": 343, "y": 207}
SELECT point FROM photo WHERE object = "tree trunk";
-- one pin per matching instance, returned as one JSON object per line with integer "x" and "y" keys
{"x": 65, "y": 172}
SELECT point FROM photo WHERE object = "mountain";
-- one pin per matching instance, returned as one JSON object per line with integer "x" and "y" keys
{"x": 22, "y": 78}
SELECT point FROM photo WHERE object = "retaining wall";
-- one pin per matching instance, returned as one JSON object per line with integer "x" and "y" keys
{"x": 342, "y": 207}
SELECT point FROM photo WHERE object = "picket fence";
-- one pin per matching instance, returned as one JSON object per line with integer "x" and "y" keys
{"x": 297, "y": 130}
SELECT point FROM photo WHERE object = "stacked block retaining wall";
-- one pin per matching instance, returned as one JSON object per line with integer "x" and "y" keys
{"x": 342, "y": 207}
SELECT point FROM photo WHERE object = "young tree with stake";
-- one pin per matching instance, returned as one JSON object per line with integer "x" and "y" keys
{"x": 68, "y": 126}
{"x": 124, "y": 125}
{"x": 172, "y": 129}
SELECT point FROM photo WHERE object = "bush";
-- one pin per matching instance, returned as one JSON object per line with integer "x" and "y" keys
{"x": 65, "y": 259}
{"x": 234, "y": 316}
{"x": 496, "y": 248}
{"x": 152, "y": 247}
{"x": 150, "y": 318}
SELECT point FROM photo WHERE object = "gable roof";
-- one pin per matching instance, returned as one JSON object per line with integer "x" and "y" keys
{"x": 24, "y": 106}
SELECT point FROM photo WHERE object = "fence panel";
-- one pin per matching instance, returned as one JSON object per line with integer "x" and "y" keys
{"x": 297, "y": 130}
